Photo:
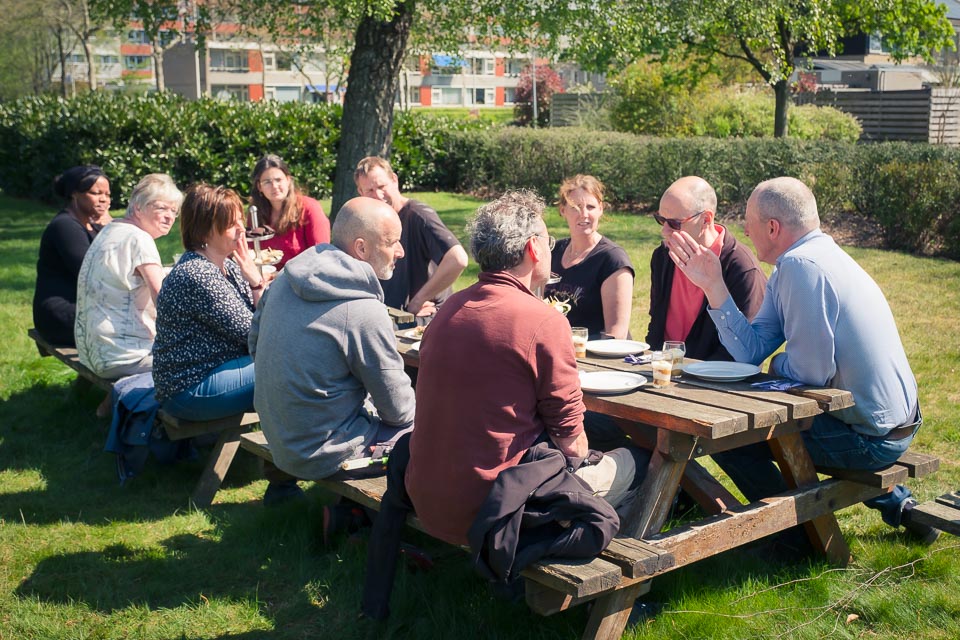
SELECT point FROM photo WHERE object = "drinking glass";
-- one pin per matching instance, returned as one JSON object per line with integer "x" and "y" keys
{"x": 580, "y": 341}
{"x": 678, "y": 348}
{"x": 662, "y": 364}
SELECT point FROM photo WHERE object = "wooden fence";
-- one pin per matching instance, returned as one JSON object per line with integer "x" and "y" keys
{"x": 569, "y": 109}
{"x": 926, "y": 115}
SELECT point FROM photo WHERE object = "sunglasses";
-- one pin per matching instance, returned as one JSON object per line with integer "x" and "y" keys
{"x": 674, "y": 224}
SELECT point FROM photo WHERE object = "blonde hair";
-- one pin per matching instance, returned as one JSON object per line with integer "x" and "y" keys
{"x": 580, "y": 181}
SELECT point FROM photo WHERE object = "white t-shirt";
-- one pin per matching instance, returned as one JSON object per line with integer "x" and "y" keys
{"x": 116, "y": 317}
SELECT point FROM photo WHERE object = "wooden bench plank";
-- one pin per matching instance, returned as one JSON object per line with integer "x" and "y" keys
{"x": 919, "y": 464}
{"x": 637, "y": 558}
{"x": 881, "y": 478}
{"x": 951, "y": 499}
{"x": 179, "y": 429}
{"x": 939, "y": 515}
{"x": 69, "y": 357}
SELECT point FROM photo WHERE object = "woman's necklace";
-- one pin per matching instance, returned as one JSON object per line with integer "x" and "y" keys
{"x": 574, "y": 259}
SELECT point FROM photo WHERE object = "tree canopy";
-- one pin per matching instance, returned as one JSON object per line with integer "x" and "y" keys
{"x": 768, "y": 35}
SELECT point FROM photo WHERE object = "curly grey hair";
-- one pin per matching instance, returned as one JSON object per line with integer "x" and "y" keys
{"x": 500, "y": 229}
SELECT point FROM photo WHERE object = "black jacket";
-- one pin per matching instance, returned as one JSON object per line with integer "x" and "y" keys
{"x": 519, "y": 522}
{"x": 743, "y": 277}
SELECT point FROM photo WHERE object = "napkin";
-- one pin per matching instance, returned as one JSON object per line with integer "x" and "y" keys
{"x": 779, "y": 384}
{"x": 637, "y": 359}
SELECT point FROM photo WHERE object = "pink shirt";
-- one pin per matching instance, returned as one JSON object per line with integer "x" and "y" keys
{"x": 314, "y": 229}
{"x": 686, "y": 299}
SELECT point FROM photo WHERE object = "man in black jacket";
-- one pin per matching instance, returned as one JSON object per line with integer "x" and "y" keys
{"x": 678, "y": 308}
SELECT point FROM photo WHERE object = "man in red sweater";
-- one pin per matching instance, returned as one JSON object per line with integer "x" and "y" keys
{"x": 497, "y": 371}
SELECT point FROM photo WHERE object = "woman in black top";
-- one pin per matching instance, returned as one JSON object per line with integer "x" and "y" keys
{"x": 64, "y": 243}
{"x": 596, "y": 276}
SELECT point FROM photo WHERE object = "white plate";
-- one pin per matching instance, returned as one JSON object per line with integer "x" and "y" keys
{"x": 602, "y": 382}
{"x": 721, "y": 371}
{"x": 415, "y": 346}
{"x": 413, "y": 334}
{"x": 616, "y": 348}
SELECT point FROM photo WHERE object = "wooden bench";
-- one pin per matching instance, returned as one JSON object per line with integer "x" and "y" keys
{"x": 229, "y": 428}
{"x": 551, "y": 585}
{"x": 942, "y": 513}
{"x": 909, "y": 465}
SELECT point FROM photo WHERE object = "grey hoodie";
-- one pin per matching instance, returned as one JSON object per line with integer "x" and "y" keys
{"x": 322, "y": 341}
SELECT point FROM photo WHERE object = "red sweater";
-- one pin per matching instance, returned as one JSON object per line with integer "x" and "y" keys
{"x": 497, "y": 368}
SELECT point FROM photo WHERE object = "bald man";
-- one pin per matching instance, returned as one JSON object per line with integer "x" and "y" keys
{"x": 322, "y": 342}
{"x": 839, "y": 332}
{"x": 678, "y": 308}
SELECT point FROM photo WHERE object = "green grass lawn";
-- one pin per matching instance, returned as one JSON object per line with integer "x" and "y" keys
{"x": 82, "y": 557}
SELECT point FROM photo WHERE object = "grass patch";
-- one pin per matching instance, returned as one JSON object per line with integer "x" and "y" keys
{"x": 81, "y": 557}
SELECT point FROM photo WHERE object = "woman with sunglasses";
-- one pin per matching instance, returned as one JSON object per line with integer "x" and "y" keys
{"x": 596, "y": 276}
{"x": 678, "y": 308}
{"x": 298, "y": 221}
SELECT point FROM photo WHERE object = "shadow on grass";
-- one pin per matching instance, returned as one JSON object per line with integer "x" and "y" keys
{"x": 268, "y": 564}
{"x": 52, "y": 443}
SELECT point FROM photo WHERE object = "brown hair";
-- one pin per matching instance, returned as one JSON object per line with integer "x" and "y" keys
{"x": 368, "y": 164}
{"x": 207, "y": 209}
{"x": 588, "y": 183}
{"x": 291, "y": 211}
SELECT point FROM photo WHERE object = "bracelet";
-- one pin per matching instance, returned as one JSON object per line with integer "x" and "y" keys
{"x": 258, "y": 287}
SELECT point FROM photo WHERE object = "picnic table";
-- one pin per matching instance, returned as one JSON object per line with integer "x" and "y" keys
{"x": 694, "y": 418}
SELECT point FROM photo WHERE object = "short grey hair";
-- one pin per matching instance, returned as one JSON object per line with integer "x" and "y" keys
{"x": 154, "y": 187}
{"x": 789, "y": 201}
{"x": 499, "y": 230}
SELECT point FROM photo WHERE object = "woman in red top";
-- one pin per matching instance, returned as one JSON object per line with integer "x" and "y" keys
{"x": 298, "y": 221}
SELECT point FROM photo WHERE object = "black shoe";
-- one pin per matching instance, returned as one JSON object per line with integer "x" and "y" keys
{"x": 342, "y": 518}
{"x": 278, "y": 493}
{"x": 923, "y": 533}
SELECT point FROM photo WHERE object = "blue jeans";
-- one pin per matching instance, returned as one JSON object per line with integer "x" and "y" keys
{"x": 831, "y": 443}
{"x": 227, "y": 390}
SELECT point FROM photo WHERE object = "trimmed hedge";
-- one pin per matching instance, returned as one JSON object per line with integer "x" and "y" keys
{"x": 911, "y": 189}
{"x": 205, "y": 140}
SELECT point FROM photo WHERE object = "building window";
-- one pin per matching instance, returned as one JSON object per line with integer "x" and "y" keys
{"x": 108, "y": 59}
{"x": 447, "y": 95}
{"x": 269, "y": 62}
{"x": 137, "y": 36}
{"x": 509, "y": 95}
{"x": 229, "y": 60}
{"x": 136, "y": 63}
{"x": 239, "y": 92}
{"x": 877, "y": 45}
{"x": 481, "y": 96}
{"x": 284, "y": 61}
{"x": 414, "y": 95}
{"x": 513, "y": 66}
{"x": 444, "y": 65}
{"x": 482, "y": 66}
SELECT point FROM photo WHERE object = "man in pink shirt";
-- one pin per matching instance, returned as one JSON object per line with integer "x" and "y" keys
{"x": 678, "y": 308}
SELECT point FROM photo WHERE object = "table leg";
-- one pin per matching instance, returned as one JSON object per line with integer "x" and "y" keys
{"x": 798, "y": 471}
{"x": 657, "y": 491}
{"x": 611, "y": 612}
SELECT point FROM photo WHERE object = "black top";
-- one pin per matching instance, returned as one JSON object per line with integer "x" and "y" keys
{"x": 425, "y": 240}
{"x": 580, "y": 284}
{"x": 744, "y": 279}
{"x": 62, "y": 246}
{"x": 203, "y": 318}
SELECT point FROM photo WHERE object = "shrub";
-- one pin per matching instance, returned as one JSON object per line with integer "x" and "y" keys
{"x": 548, "y": 83}
{"x": 913, "y": 190}
{"x": 205, "y": 140}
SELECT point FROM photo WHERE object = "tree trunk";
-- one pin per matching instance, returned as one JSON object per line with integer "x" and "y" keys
{"x": 782, "y": 92}
{"x": 368, "y": 104}
{"x": 91, "y": 67}
{"x": 158, "y": 67}
{"x": 63, "y": 63}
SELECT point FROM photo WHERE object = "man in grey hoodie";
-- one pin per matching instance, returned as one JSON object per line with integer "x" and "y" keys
{"x": 330, "y": 383}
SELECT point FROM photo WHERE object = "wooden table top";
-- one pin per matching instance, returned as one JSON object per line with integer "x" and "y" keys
{"x": 711, "y": 410}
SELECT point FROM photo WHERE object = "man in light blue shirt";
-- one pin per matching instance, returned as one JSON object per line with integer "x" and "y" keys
{"x": 839, "y": 332}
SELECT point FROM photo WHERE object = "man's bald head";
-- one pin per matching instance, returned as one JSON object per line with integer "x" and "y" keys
{"x": 693, "y": 194}
{"x": 369, "y": 230}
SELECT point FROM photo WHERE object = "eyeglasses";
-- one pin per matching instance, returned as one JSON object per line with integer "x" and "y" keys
{"x": 674, "y": 224}
{"x": 266, "y": 182}
{"x": 551, "y": 241}
{"x": 162, "y": 208}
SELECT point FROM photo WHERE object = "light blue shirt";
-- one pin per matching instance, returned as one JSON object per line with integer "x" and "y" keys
{"x": 839, "y": 332}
